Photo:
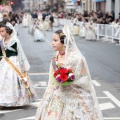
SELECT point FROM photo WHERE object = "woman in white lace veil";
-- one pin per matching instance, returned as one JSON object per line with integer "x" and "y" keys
{"x": 21, "y": 55}
{"x": 74, "y": 101}
{"x": 13, "y": 70}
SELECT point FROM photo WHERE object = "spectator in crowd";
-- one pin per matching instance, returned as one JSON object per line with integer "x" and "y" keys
{"x": 100, "y": 15}
{"x": 51, "y": 21}
{"x": 34, "y": 15}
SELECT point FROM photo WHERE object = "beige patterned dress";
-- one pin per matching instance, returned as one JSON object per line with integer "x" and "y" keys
{"x": 76, "y": 101}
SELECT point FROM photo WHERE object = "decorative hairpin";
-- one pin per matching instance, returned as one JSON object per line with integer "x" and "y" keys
{"x": 61, "y": 34}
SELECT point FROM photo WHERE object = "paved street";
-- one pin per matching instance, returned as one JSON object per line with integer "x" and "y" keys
{"x": 104, "y": 63}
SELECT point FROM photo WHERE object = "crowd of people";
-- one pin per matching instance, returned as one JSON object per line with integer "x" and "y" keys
{"x": 39, "y": 23}
{"x": 96, "y": 17}
{"x": 81, "y": 24}
{"x": 85, "y": 25}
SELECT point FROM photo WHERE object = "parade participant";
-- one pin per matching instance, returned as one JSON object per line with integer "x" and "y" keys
{"x": 51, "y": 21}
{"x": 90, "y": 35}
{"x": 83, "y": 30}
{"x": 47, "y": 23}
{"x": 16, "y": 88}
{"x": 40, "y": 17}
{"x": 75, "y": 30}
{"x": 70, "y": 94}
{"x": 38, "y": 34}
{"x": 31, "y": 27}
{"x": 26, "y": 19}
{"x": 56, "y": 20}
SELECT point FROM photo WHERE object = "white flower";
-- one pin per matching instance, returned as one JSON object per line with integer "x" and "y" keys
{"x": 71, "y": 76}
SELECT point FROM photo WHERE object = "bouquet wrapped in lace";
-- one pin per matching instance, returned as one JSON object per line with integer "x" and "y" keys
{"x": 64, "y": 76}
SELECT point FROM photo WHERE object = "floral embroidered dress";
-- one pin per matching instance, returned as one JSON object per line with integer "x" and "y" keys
{"x": 12, "y": 91}
{"x": 38, "y": 34}
{"x": 75, "y": 101}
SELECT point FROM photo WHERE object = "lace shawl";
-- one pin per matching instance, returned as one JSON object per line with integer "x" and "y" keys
{"x": 80, "y": 95}
{"x": 21, "y": 56}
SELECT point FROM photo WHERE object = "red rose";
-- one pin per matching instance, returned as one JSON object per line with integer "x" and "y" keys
{"x": 56, "y": 73}
{"x": 63, "y": 77}
{"x": 63, "y": 71}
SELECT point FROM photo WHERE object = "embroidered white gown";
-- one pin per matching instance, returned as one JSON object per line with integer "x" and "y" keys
{"x": 90, "y": 35}
{"x": 75, "y": 30}
{"x": 76, "y": 101}
{"x": 38, "y": 34}
{"x": 12, "y": 90}
{"x": 83, "y": 30}
{"x": 25, "y": 21}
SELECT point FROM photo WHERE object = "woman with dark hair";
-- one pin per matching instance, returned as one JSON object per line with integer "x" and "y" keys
{"x": 15, "y": 85}
{"x": 70, "y": 94}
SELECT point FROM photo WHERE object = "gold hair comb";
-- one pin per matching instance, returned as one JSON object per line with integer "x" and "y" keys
{"x": 61, "y": 34}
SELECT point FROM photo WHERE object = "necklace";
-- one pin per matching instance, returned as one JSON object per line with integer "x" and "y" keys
{"x": 61, "y": 53}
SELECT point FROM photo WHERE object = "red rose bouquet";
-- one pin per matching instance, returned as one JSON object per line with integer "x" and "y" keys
{"x": 64, "y": 76}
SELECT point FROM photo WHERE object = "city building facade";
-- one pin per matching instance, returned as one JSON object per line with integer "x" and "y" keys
{"x": 113, "y": 5}
{"x": 30, "y": 5}
{"x": 88, "y": 5}
{"x": 69, "y": 5}
{"x": 100, "y": 5}
{"x": 26, "y": 4}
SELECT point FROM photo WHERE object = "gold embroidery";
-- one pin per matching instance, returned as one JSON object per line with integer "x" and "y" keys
{"x": 85, "y": 106}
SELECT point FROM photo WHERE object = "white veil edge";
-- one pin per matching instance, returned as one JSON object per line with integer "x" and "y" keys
{"x": 21, "y": 55}
{"x": 71, "y": 46}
